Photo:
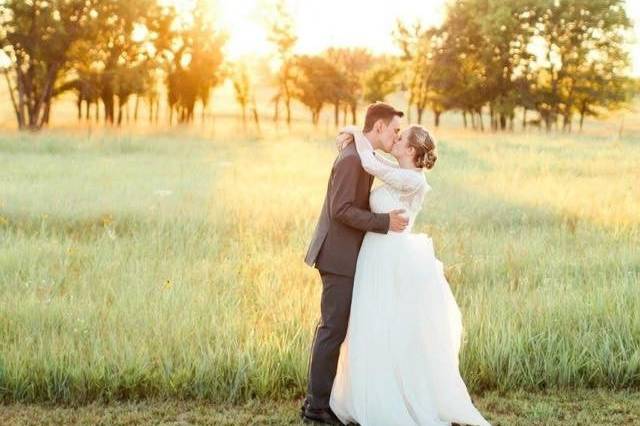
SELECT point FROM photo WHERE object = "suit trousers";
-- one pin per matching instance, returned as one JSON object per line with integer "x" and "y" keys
{"x": 330, "y": 332}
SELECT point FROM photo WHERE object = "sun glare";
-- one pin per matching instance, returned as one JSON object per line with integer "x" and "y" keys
{"x": 321, "y": 24}
{"x": 318, "y": 25}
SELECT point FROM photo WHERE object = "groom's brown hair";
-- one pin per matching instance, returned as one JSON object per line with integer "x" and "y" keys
{"x": 377, "y": 111}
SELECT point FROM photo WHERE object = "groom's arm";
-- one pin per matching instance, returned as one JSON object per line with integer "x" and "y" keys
{"x": 343, "y": 195}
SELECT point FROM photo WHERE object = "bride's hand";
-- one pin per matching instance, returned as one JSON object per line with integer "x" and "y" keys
{"x": 343, "y": 139}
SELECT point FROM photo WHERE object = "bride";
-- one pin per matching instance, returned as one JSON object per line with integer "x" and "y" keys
{"x": 398, "y": 364}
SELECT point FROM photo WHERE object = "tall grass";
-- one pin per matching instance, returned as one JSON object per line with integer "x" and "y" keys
{"x": 135, "y": 267}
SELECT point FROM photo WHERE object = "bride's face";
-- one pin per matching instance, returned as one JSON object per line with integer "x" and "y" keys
{"x": 401, "y": 148}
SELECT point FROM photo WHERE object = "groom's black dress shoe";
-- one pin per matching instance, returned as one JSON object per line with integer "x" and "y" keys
{"x": 322, "y": 416}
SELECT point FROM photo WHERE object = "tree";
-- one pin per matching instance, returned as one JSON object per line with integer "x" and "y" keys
{"x": 192, "y": 58}
{"x": 419, "y": 46}
{"x": 37, "y": 36}
{"x": 458, "y": 51}
{"x": 115, "y": 54}
{"x": 504, "y": 29}
{"x": 242, "y": 88}
{"x": 414, "y": 43}
{"x": 578, "y": 39}
{"x": 281, "y": 33}
{"x": 352, "y": 64}
{"x": 316, "y": 82}
{"x": 601, "y": 89}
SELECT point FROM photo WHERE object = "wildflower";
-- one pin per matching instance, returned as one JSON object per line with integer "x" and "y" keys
{"x": 163, "y": 192}
{"x": 111, "y": 233}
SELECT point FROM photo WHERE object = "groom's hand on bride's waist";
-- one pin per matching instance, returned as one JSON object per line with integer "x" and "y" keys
{"x": 397, "y": 222}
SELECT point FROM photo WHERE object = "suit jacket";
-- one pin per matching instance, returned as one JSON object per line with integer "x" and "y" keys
{"x": 345, "y": 217}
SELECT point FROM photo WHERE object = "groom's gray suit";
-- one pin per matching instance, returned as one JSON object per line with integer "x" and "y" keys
{"x": 344, "y": 219}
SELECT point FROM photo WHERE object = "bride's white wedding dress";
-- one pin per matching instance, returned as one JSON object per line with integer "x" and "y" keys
{"x": 398, "y": 364}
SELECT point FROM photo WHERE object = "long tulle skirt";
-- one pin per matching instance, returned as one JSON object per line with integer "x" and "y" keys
{"x": 399, "y": 362}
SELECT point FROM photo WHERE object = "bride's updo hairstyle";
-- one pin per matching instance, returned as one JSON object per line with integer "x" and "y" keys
{"x": 420, "y": 139}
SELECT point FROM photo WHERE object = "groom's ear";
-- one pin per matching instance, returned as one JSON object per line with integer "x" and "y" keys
{"x": 379, "y": 126}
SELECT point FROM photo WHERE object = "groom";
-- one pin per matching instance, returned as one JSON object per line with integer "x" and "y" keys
{"x": 344, "y": 219}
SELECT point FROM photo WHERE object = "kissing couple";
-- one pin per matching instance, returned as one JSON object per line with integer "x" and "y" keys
{"x": 385, "y": 350}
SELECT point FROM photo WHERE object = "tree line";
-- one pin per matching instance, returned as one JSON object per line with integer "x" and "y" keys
{"x": 553, "y": 61}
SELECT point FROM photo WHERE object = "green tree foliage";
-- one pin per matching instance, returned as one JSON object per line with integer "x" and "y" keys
{"x": 581, "y": 40}
{"x": 557, "y": 57}
{"x": 381, "y": 80}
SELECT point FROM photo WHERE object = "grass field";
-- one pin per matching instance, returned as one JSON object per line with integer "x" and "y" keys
{"x": 170, "y": 266}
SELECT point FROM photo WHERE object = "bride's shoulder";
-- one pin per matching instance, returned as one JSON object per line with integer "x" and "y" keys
{"x": 416, "y": 175}
{"x": 417, "y": 180}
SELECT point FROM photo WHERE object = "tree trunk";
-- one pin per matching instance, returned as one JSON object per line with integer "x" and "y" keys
{"x": 135, "y": 109}
{"x": 79, "y": 107}
{"x": 244, "y": 116}
{"x": 47, "y": 113}
{"x": 33, "y": 107}
{"x": 288, "y": 105}
{"x": 42, "y": 106}
{"x": 19, "y": 117}
{"x": 256, "y": 119}
{"x": 583, "y": 110}
{"x": 109, "y": 107}
{"x": 120, "y": 105}
{"x": 276, "y": 109}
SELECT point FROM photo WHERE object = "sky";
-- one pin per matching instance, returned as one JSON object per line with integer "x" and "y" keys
{"x": 323, "y": 23}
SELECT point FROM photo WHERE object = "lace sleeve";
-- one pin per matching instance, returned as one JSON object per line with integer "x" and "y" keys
{"x": 385, "y": 161}
{"x": 399, "y": 178}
